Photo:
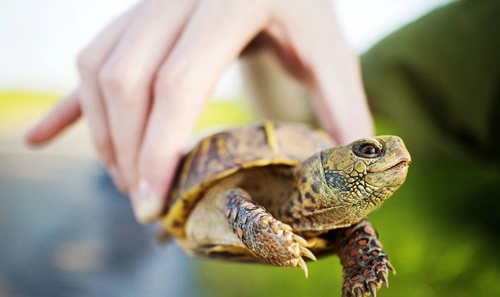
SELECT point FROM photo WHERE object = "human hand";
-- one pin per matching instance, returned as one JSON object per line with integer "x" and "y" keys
{"x": 146, "y": 77}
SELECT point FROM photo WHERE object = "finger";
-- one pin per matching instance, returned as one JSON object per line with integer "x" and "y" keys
{"x": 65, "y": 113}
{"x": 89, "y": 63}
{"x": 125, "y": 78}
{"x": 214, "y": 37}
{"x": 341, "y": 103}
{"x": 335, "y": 76}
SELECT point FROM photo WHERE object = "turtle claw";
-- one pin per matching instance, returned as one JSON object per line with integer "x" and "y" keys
{"x": 361, "y": 291}
{"x": 382, "y": 275}
{"x": 285, "y": 227}
{"x": 307, "y": 253}
{"x": 373, "y": 288}
{"x": 358, "y": 292}
{"x": 391, "y": 268}
{"x": 346, "y": 293}
{"x": 302, "y": 252}
{"x": 300, "y": 240}
{"x": 303, "y": 266}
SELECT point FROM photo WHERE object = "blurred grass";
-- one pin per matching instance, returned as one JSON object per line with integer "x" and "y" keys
{"x": 18, "y": 108}
{"x": 442, "y": 242}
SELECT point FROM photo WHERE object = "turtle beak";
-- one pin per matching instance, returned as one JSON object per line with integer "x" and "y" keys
{"x": 396, "y": 154}
{"x": 399, "y": 153}
{"x": 393, "y": 168}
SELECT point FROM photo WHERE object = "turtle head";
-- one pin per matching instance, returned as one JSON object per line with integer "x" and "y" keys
{"x": 350, "y": 181}
{"x": 363, "y": 174}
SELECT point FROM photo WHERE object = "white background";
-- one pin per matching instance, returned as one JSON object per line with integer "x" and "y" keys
{"x": 39, "y": 39}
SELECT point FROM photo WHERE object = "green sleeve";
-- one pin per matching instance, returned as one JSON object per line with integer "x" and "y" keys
{"x": 437, "y": 81}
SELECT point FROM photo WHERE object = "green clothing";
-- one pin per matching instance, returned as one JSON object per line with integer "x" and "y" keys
{"x": 438, "y": 80}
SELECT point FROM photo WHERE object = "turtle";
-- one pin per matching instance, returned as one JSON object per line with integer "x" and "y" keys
{"x": 277, "y": 192}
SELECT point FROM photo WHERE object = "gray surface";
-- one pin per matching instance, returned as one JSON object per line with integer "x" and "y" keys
{"x": 65, "y": 231}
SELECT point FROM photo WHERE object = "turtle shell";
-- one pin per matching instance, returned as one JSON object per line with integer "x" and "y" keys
{"x": 220, "y": 155}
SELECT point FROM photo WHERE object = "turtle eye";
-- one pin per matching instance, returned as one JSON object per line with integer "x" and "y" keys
{"x": 367, "y": 150}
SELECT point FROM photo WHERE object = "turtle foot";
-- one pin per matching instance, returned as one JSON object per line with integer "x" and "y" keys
{"x": 366, "y": 266}
{"x": 283, "y": 247}
{"x": 263, "y": 235}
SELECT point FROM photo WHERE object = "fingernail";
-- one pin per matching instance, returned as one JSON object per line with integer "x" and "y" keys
{"x": 146, "y": 205}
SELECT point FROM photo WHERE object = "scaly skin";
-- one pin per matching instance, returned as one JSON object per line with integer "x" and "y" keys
{"x": 262, "y": 234}
{"x": 335, "y": 190}
{"x": 337, "y": 187}
{"x": 365, "y": 264}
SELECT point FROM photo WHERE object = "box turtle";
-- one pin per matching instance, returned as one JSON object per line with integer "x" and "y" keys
{"x": 277, "y": 192}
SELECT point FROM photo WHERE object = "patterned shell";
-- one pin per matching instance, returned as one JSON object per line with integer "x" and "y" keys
{"x": 220, "y": 155}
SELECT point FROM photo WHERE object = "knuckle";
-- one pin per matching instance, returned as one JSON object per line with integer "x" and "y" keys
{"x": 111, "y": 79}
{"x": 174, "y": 79}
{"x": 118, "y": 82}
{"x": 88, "y": 62}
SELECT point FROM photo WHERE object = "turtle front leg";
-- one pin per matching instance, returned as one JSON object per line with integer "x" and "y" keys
{"x": 365, "y": 264}
{"x": 262, "y": 234}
